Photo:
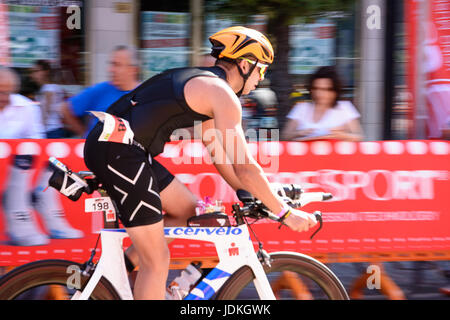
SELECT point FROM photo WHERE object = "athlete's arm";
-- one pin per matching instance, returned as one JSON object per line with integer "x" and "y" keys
{"x": 213, "y": 97}
{"x": 227, "y": 114}
{"x": 219, "y": 158}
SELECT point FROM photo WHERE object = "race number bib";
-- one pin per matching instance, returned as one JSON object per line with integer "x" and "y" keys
{"x": 101, "y": 204}
{"x": 115, "y": 129}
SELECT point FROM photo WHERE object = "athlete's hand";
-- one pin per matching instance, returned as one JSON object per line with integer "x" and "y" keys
{"x": 300, "y": 221}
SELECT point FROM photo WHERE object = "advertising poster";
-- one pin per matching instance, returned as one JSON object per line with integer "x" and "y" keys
{"x": 437, "y": 53}
{"x": 411, "y": 40}
{"x": 312, "y": 46}
{"x": 34, "y": 34}
{"x": 217, "y": 22}
{"x": 4, "y": 35}
{"x": 164, "y": 41}
{"x": 436, "y": 64}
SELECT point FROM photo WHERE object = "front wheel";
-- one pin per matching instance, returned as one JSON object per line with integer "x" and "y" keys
{"x": 291, "y": 275}
{"x": 50, "y": 279}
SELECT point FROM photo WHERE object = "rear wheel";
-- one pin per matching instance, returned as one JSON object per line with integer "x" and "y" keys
{"x": 51, "y": 280}
{"x": 292, "y": 276}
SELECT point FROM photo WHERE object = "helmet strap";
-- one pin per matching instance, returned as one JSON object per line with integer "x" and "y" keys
{"x": 244, "y": 76}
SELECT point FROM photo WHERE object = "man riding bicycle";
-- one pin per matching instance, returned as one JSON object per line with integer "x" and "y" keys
{"x": 143, "y": 121}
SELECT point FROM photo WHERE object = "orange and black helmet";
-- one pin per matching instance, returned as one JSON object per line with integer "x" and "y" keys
{"x": 236, "y": 42}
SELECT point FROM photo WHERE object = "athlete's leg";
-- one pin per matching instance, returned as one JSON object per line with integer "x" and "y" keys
{"x": 153, "y": 255}
{"x": 179, "y": 204}
{"x": 177, "y": 201}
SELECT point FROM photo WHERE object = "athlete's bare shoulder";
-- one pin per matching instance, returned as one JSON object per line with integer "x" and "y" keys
{"x": 203, "y": 93}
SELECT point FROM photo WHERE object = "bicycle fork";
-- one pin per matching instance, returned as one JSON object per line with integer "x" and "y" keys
{"x": 233, "y": 254}
{"x": 111, "y": 265}
{"x": 261, "y": 282}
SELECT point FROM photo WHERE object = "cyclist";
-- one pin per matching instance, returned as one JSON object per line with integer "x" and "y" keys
{"x": 144, "y": 120}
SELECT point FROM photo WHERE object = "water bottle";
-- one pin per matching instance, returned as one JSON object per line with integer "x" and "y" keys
{"x": 209, "y": 205}
{"x": 181, "y": 285}
{"x": 220, "y": 207}
{"x": 200, "y": 208}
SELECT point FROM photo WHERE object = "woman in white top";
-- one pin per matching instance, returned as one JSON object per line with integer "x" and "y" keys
{"x": 326, "y": 117}
{"x": 50, "y": 97}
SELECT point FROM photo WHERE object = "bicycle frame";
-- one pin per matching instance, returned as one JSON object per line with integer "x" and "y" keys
{"x": 233, "y": 245}
{"x": 234, "y": 249}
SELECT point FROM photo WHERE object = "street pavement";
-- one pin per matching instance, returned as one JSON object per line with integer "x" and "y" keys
{"x": 417, "y": 280}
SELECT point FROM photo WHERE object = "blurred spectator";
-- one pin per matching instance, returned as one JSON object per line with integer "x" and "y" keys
{"x": 28, "y": 87}
{"x": 326, "y": 117}
{"x": 20, "y": 116}
{"x": 249, "y": 121}
{"x": 123, "y": 72}
{"x": 446, "y": 131}
{"x": 298, "y": 94}
{"x": 50, "y": 97}
{"x": 262, "y": 104}
{"x": 264, "y": 97}
{"x": 21, "y": 119}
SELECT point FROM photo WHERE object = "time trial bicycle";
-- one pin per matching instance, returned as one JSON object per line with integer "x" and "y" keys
{"x": 242, "y": 271}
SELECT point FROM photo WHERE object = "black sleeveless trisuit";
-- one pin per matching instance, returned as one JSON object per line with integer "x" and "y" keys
{"x": 128, "y": 172}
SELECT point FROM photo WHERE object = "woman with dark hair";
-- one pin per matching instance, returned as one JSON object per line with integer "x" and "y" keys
{"x": 326, "y": 116}
{"x": 50, "y": 97}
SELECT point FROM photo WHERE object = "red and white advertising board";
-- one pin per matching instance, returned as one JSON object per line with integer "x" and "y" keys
{"x": 388, "y": 195}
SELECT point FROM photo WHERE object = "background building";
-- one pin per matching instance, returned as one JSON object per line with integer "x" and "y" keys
{"x": 370, "y": 42}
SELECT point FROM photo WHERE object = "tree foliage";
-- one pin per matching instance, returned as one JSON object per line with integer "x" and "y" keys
{"x": 274, "y": 8}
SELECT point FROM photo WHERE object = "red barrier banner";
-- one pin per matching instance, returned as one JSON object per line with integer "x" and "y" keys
{"x": 388, "y": 196}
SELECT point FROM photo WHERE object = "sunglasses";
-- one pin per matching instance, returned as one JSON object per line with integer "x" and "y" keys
{"x": 262, "y": 67}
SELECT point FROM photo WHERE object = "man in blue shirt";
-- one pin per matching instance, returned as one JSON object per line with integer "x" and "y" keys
{"x": 123, "y": 71}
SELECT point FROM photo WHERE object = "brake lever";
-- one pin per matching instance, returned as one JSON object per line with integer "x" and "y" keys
{"x": 318, "y": 216}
